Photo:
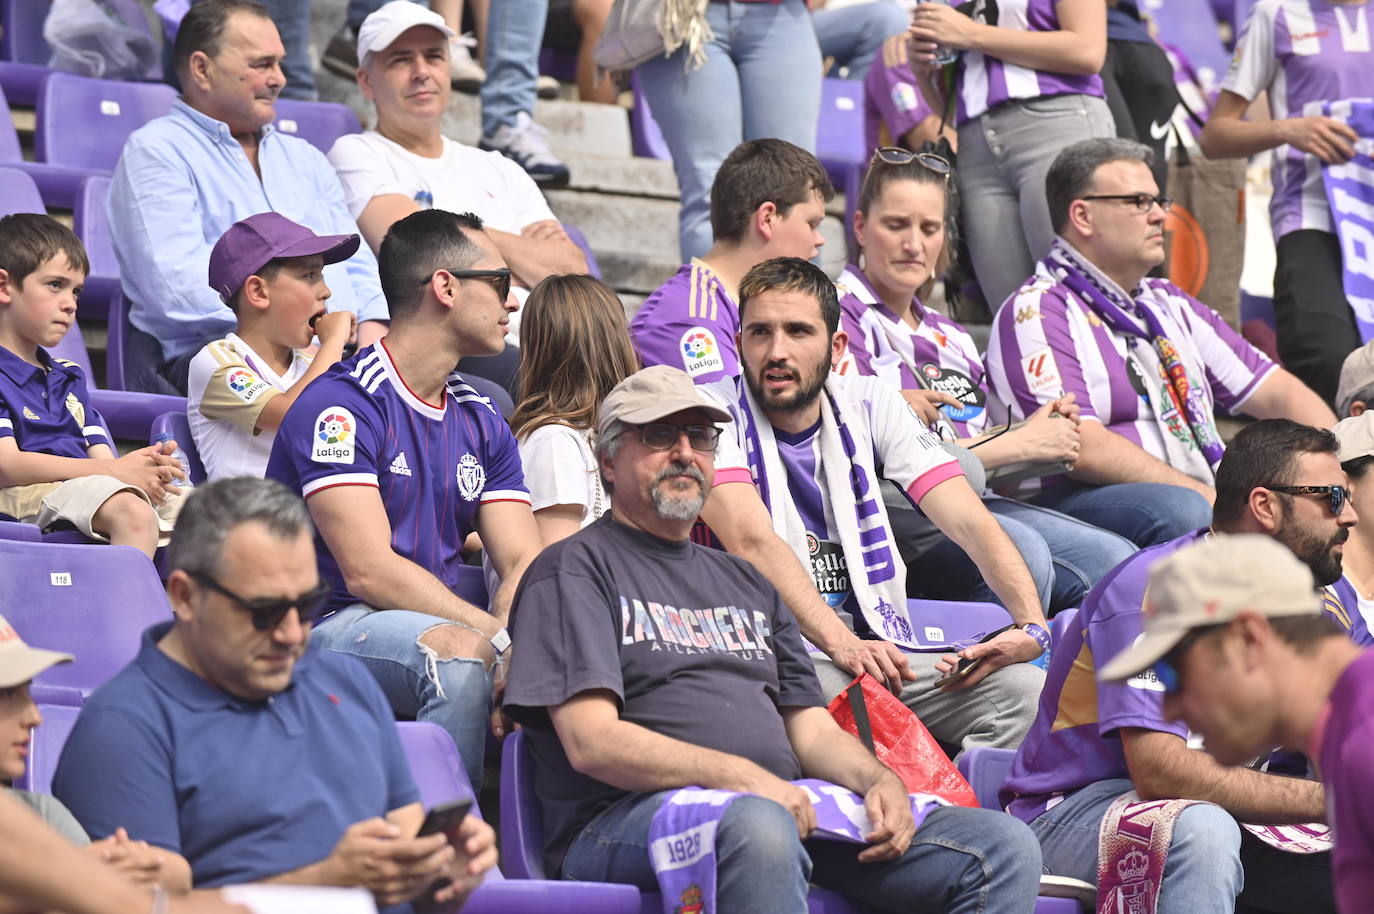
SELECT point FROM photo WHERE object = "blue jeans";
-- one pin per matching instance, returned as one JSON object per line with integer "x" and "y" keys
{"x": 293, "y": 24}
{"x": 761, "y": 78}
{"x": 961, "y": 860}
{"x": 1203, "y": 874}
{"x": 853, "y": 35}
{"x": 453, "y": 693}
{"x": 515, "y": 32}
{"x": 1146, "y": 513}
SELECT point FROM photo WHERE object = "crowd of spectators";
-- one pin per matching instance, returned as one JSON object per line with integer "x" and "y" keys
{"x": 699, "y": 525}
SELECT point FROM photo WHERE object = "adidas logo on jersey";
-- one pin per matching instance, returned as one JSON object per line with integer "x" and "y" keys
{"x": 399, "y": 465}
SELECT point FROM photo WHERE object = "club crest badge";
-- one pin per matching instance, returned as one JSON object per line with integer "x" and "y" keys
{"x": 472, "y": 478}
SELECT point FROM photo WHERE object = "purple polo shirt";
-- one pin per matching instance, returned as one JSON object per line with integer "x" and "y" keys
{"x": 1345, "y": 744}
{"x": 47, "y": 410}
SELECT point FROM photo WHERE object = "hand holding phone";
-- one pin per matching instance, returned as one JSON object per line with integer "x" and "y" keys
{"x": 967, "y": 665}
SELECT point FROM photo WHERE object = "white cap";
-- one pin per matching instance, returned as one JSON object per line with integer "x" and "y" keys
{"x": 390, "y": 20}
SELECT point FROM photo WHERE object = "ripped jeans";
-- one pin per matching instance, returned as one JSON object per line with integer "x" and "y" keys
{"x": 453, "y": 693}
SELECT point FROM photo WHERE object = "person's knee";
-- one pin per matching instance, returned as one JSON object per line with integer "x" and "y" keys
{"x": 1206, "y": 847}
{"x": 759, "y": 835}
{"x": 1013, "y": 695}
{"x": 126, "y": 518}
{"x": 1181, "y": 511}
{"x": 887, "y": 18}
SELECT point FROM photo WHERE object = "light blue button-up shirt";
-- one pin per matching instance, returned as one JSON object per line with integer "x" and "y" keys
{"x": 182, "y": 180}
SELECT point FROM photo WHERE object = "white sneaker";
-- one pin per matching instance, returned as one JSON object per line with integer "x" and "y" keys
{"x": 546, "y": 87}
{"x": 526, "y": 143}
{"x": 465, "y": 73}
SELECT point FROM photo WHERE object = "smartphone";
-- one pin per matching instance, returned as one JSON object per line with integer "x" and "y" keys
{"x": 966, "y": 665}
{"x": 446, "y": 818}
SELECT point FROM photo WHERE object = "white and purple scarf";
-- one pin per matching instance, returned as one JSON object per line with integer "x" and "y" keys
{"x": 682, "y": 836}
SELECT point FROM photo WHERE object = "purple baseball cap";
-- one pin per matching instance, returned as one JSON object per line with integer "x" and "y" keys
{"x": 250, "y": 243}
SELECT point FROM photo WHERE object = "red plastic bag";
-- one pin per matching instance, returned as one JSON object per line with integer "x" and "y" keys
{"x": 899, "y": 740}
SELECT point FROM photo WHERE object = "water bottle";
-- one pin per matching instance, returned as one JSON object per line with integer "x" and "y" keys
{"x": 945, "y": 56}
{"x": 179, "y": 455}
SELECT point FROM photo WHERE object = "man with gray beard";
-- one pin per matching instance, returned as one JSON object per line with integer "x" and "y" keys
{"x": 648, "y": 664}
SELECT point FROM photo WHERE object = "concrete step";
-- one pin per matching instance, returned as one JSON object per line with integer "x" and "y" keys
{"x": 631, "y": 176}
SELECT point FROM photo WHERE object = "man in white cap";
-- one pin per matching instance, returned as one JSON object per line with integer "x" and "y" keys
{"x": 406, "y": 163}
{"x": 648, "y": 664}
{"x": 1355, "y": 435}
{"x": 1237, "y": 639}
{"x": 1355, "y": 392}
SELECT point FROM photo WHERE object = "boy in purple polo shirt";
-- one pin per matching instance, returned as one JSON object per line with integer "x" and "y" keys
{"x": 767, "y": 200}
{"x": 1236, "y": 638}
{"x": 56, "y": 460}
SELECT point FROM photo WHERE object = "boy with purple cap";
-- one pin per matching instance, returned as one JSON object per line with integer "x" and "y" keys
{"x": 57, "y": 462}
{"x": 269, "y": 271}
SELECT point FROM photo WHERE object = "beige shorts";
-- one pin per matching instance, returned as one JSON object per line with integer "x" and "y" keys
{"x": 77, "y": 500}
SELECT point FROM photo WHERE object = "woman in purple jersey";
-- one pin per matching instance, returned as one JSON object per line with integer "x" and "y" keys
{"x": 1024, "y": 87}
{"x": 575, "y": 346}
{"x": 901, "y": 224}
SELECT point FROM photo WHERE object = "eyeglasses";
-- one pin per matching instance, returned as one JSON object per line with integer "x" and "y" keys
{"x": 895, "y": 155}
{"x": 1166, "y": 668}
{"x": 497, "y": 279}
{"x": 1339, "y": 495}
{"x": 1141, "y": 202}
{"x": 267, "y": 612}
{"x": 660, "y": 436}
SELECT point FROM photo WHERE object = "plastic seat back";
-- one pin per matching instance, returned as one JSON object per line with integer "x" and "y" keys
{"x": 319, "y": 123}
{"x": 21, "y": 38}
{"x": 83, "y": 122}
{"x": 178, "y": 428}
{"x": 91, "y": 222}
{"x": 92, "y": 601}
{"x": 18, "y": 193}
{"x": 45, "y": 746}
{"x": 939, "y": 622}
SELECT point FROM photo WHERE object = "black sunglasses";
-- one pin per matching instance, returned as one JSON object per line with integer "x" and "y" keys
{"x": 660, "y": 436}
{"x": 267, "y": 612}
{"x": 896, "y": 155}
{"x": 1141, "y": 202}
{"x": 497, "y": 279}
{"x": 1339, "y": 495}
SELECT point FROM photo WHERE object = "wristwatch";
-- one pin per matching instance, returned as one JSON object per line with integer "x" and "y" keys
{"x": 1037, "y": 631}
{"x": 500, "y": 641}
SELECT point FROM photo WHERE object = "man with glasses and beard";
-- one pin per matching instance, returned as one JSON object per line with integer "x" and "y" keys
{"x": 648, "y": 664}
{"x": 817, "y": 446}
{"x": 1094, "y": 739}
{"x": 234, "y": 742}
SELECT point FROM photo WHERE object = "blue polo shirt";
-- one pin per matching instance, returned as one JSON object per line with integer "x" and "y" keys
{"x": 242, "y": 789}
{"x": 47, "y": 410}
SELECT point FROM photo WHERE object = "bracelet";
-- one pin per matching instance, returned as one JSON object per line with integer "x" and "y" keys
{"x": 1037, "y": 631}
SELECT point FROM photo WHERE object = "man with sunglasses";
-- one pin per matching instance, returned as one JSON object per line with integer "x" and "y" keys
{"x": 1236, "y": 636}
{"x": 1095, "y": 738}
{"x": 233, "y": 742}
{"x": 399, "y": 461}
{"x": 1148, "y": 363}
{"x": 648, "y": 664}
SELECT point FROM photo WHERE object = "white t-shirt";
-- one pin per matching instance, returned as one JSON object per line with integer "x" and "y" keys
{"x": 463, "y": 179}
{"x": 228, "y": 387}
{"x": 560, "y": 469}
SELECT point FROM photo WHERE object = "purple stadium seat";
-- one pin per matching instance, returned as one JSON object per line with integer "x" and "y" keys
{"x": 985, "y": 769}
{"x": 117, "y": 327}
{"x": 580, "y": 240}
{"x": 522, "y": 833}
{"x": 840, "y": 141}
{"x": 94, "y": 601}
{"x": 646, "y": 139}
{"x": 83, "y": 123}
{"x": 21, "y": 39}
{"x": 320, "y": 123}
{"x": 91, "y": 223}
{"x": 58, "y": 185}
{"x": 45, "y": 748}
{"x": 941, "y": 621}
{"x": 176, "y": 425}
{"x": 439, "y": 773}
{"x": 16, "y": 530}
{"x": 1191, "y": 27}
{"x": 1061, "y": 624}
{"x": 18, "y": 193}
{"x": 22, "y": 82}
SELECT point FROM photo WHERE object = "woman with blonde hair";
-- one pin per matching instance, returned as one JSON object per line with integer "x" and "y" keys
{"x": 575, "y": 346}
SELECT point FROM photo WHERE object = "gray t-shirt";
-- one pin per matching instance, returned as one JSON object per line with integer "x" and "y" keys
{"x": 51, "y": 811}
{"x": 695, "y": 644}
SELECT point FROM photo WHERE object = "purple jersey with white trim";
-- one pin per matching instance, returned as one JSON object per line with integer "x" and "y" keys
{"x": 985, "y": 82}
{"x": 435, "y": 465}
{"x": 1303, "y": 53}
{"x": 893, "y": 103}
{"x": 1346, "y": 746}
{"x": 883, "y": 345}
{"x": 689, "y": 322}
{"x": 1046, "y": 341}
{"x": 47, "y": 410}
{"x": 1074, "y": 741}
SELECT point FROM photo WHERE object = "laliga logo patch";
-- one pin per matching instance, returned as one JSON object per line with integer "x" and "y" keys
{"x": 904, "y": 97}
{"x": 700, "y": 353}
{"x": 334, "y": 439}
{"x": 244, "y": 384}
{"x": 472, "y": 478}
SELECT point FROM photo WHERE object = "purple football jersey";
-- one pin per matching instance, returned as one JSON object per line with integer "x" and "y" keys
{"x": 689, "y": 323}
{"x": 1344, "y": 744}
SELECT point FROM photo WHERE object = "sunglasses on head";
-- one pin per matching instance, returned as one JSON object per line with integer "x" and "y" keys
{"x": 267, "y": 612}
{"x": 1338, "y": 495}
{"x": 895, "y": 155}
{"x": 497, "y": 279}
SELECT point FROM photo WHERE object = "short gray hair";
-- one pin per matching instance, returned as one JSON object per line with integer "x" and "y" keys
{"x": 1071, "y": 175}
{"x": 1365, "y": 395}
{"x": 607, "y": 446}
{"x": 213, "y": 510}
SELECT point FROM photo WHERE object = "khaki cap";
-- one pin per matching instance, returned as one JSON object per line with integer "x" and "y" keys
{"x": 18, "y": 662}
{"x": 1212, "y": 582}
{"x": 654, "y": 393}
{"x": 1357, "y": 373}
{"x": 1355, "y": 437}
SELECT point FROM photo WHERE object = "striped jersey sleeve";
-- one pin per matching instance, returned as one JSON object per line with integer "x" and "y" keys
{"x": 1033, "y": 353}
{"x": 1235, "y": 368}
{"x": 689, "y": 322}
